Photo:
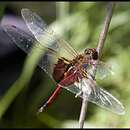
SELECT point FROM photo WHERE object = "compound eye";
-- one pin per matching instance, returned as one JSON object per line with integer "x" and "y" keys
{"x": 95, "y": 55}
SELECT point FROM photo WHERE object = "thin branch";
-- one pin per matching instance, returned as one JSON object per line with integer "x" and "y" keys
{"x": 103, "y": 34}
{"x": 83, "y": 112}
{"x": 102, "y": 38}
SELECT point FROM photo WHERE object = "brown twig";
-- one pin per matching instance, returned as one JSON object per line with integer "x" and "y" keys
{"x": 83, "y": 112}
{"x": 104, "y": 31}
{"x": 102, "y": 38}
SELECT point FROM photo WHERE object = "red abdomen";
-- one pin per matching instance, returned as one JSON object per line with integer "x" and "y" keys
{"x": 59, "y": 70}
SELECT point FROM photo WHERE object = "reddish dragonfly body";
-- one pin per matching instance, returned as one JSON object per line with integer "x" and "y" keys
{"x": 65, "y": 66}
{"x": 68, "y": 72}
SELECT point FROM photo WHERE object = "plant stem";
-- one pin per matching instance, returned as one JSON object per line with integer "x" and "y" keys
{"x": 83, "y": 112}
{"x": 104, "y": 31}
{"x": 102, "y": 38}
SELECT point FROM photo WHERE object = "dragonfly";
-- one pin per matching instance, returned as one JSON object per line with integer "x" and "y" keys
{"x": 64, "y": 65}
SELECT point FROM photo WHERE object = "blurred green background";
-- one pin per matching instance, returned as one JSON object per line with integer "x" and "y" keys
{"x": 80, "y": 23}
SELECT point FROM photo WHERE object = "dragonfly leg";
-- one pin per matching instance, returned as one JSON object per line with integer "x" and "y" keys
{"x": 78, "y": 94}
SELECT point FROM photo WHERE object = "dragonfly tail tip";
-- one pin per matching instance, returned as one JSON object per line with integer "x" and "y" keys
{"x": 41, "y": 109}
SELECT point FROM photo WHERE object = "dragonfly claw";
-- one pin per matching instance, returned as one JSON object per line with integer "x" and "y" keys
{"x": 78, "y": 94}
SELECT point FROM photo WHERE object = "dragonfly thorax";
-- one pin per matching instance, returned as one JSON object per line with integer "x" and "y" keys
{"x": 89, "y": 55}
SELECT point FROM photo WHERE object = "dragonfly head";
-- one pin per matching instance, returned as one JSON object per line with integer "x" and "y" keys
{"x": 92, "y": 53}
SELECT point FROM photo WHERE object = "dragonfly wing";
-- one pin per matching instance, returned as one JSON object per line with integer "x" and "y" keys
{"x": 107, "y": 101}
{"x": 22, "y": 39}
{"x": 101, "y": 97}
{"x": 87, "y": 88}
{"x": 25, "y": 41}
{"x": 103, "y": 70}
{"x": 35, "y": 24}
{"x": 45, "y": 35}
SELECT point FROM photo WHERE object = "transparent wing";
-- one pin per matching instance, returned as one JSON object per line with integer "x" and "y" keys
{"x": 22, "y": 39}
{"x": 106, "y": 100}
{"x": 88, "y": 88}
{"x": 103, "y": 70}
{"x": 25, "y": 41}
{"x": 46, "y": 36}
